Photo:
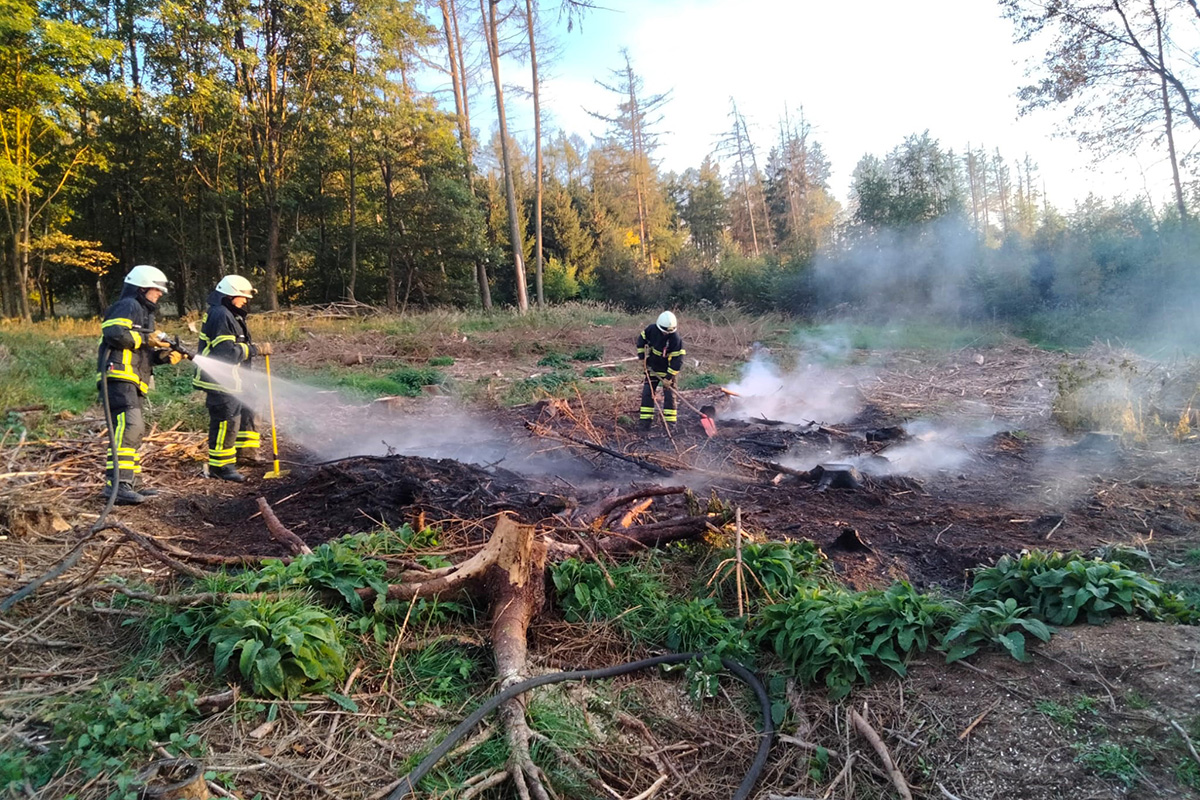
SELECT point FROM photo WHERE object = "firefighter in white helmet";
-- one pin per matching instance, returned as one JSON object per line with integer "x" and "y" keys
{"x": 660, "y": 348}
{"x": 130, "y": 348}
{"x": 225, "y": 336}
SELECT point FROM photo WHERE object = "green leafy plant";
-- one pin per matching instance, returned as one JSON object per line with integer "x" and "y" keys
{"x": 444, "y": 672}
{"x": 1066, "y": 714}
{"x": 283, "y": 647}
{"x": 593, "y": 372}
{"x": 1110, "y": 760}
{"x": 553, "y": 360}
{"x": 1060, "y": 588}
{"x": 637, "y": 595}
{"x": 839, "y": 636}
{"x": 1000, "y": 622}
{"x": 589, "y": 352}
{"x": 441, "y": 361}
{"x": 776, "y": 569}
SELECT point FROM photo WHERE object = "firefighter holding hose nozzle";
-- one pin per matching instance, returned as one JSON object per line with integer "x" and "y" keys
{"x": 225, "y": 336}
{"x": 660, "y": 348}
{"x": 130, "y": 348}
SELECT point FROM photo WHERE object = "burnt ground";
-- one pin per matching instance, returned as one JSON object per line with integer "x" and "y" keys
{"x": 956, "y": 462}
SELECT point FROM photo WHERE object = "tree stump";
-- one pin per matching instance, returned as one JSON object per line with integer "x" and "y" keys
{"x": 836, "y": 476}
{"x": 173, "y": 779}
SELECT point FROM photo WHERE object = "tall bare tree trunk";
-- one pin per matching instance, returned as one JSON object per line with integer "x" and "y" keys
{"x": 353, "y": 226}
{"x": 537, "y": 145}
{"x": 509, "y": 188}
{"x": 462, "y": 109}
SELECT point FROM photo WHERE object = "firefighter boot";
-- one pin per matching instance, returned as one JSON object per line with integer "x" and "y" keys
{"x": 227, "y": 473}
{"x": 249, "y": 456}
{"x": 644, "y": 425}
{"x": 126, "y": 496}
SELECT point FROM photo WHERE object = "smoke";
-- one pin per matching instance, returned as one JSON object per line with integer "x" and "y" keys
{"x": 809, "y": 393}
{"x": 329, "y": 425}
{"x": 929, "y": 449}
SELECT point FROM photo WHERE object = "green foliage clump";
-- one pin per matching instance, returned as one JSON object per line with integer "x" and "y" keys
{"x": 1060, "y": 588}
{"x": 444, "y": 672}
{"x": 589, "y": 352}
{"x": 593, "y": 372}
{"x": 999, "y": 622}
{"x": 441, "y": 361}
{"x": 553, "y": 360}
{"x": 334, "y": 566}
{"x": 637, "y": 594}
{"x": 701, "y": 380}
{"x": 552, "y": 383}
{"x": 109, "y": 728}
{"x": 839, "y": 636}
{"x": 284, "y": 647}
{"x": 777, "y": 570}
{"x": 1111, "y": 760}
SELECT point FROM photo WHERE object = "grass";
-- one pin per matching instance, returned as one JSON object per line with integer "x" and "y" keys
{"x": 1110, "y": 760}
{"x": 701, "y": 380}
{"x": 1067, "y": 714}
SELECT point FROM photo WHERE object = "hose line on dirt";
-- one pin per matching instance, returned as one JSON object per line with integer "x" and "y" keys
{"x": 408, "y": 784}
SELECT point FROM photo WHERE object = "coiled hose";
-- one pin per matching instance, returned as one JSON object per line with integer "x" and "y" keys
{"x": 408, "y": 784}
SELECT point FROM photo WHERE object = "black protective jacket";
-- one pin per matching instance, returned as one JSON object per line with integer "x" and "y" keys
{"x": 663, "y": 352}
{"x": 224, "y": 336}
{"x": 124, "y": 353}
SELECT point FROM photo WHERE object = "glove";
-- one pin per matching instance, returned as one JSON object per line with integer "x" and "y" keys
{"x": 263, "y": 349}
{"x": 158, "y": 340}
{"x": 174, "y": 357}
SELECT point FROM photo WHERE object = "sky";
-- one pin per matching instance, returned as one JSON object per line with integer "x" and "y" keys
{"x": 865, "y": 74}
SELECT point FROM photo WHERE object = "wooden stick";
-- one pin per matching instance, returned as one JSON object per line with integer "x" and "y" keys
{"x": 641, "y": 462}
{"x": 1187, "y": 740}
{"x": 737, "y": 521}
{"x": 279, "y": 531}
{"x": 978, "y": 720}
{"x": 867, "y": 732}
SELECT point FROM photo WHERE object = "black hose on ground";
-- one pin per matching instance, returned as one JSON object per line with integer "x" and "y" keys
{"x": 408, "y": 784}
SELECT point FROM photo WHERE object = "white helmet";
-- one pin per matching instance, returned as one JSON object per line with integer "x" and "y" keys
{"x": 236, "y": 286}
{"x": 667, "y": 322}
{"x": 148, "y": 277}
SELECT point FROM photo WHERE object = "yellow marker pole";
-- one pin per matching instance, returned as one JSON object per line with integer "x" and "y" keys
{"x": 275, "y": 472}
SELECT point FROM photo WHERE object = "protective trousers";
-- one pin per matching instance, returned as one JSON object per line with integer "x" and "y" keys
{"x": 230, "y": 428}
{"x": 649, "y": 387}
{"x": 129, "y": 426}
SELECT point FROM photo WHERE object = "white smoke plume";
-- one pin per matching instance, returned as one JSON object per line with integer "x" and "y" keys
{"x": 329, "y": 424}
{"x": 808, "y": 393}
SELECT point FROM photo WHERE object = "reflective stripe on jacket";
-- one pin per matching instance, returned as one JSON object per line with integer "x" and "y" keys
{"x": 124, "y": 329}
{"x": 663, "y": 351}
{"x": 224, "y": 336}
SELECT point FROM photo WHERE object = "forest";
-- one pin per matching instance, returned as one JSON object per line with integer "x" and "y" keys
{"x": 334, "y": 151}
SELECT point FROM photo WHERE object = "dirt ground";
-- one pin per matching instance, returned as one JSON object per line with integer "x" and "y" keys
{"x": 986, "y": 471}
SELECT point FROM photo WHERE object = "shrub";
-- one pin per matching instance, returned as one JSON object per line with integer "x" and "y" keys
{"x": 441, "y": 361}
{"x": 999, "y": 622}
{"x": 553, "y": 360}
{"x": 841, "y": 635}
{"x": 591, "y": 352}
{"x": 284, "y": 647}
{"x": 779, "y": 569}
{"x": 1059, "y": 589}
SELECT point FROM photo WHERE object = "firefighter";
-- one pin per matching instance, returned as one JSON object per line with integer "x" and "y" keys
{"x": 224, "y": 336}
{"x": 661, "y": 350}
{"x": 130, "y": 348}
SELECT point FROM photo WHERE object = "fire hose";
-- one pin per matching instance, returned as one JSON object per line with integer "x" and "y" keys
{"x": 408, "y": 783}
